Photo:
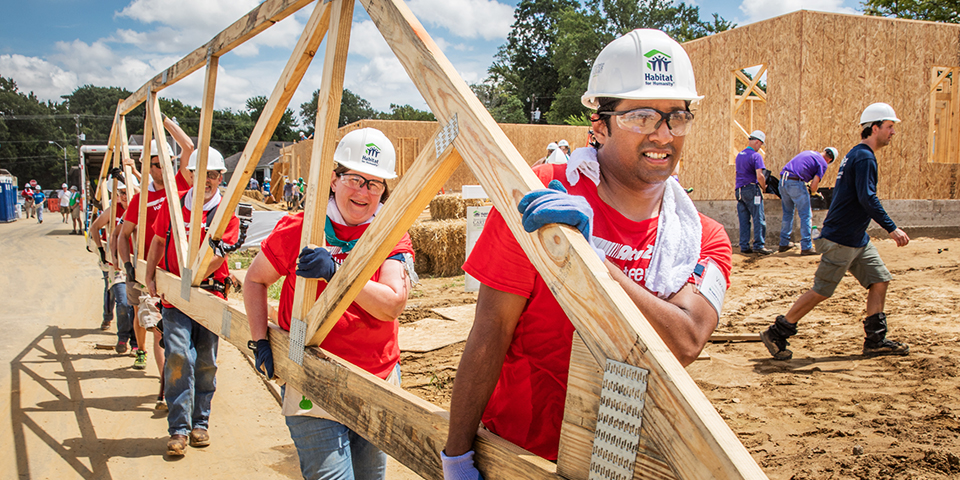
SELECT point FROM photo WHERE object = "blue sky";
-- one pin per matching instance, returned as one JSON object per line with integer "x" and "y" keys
{"x": 51, "y": 47}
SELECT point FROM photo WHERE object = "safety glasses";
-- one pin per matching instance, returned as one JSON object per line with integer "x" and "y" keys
{"x": 356, "y": 182}
{"x": 647, "y": 120}
{"x": 213, "y": 174}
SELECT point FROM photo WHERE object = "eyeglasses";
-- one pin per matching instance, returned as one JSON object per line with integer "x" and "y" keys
{"x": 356, "y": 182}
{"x": 647, "y": 120}
{"x": 155, "y": 164}
{"x": 213, "y": 175}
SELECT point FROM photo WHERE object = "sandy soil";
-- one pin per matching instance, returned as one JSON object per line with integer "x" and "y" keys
{"x": 829, "y": 412}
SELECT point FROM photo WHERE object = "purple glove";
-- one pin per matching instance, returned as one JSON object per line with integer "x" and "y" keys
{"x": 554, "y": 205}
{"x": 460, "y": 467}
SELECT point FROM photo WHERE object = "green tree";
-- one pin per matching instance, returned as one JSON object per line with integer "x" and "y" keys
{"x": 406, "y": 112}
{"x": 97, "y": 107}
{"x": 503, "y": 107}
{"x": 27, "y": 125}
{"x": 352, "y": 108}
{"x": 525, "y": 62}
{"x": 932, "y": 10}
{"x": 286, "y": 128}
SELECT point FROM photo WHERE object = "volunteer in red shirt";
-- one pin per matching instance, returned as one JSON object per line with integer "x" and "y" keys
{"x": 366, "y": 334}
{"x": 190, "y": 351}
{"x": 114, "y": 294}
{"x": 144, "y": 305}
{"x": 671, "y": 261}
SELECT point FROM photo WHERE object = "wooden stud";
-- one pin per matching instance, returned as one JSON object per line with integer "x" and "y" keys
{"x": 751, "y": 88}
{"x": 178, "y": 232}
{"x": 146, "y": 178}
{"x": 428, "y": 173}
{"x": 287, "y": 84}
{"x": 110, "y": 146}
{"x": 321, "y": 156}
{"x": 200, "y": 173}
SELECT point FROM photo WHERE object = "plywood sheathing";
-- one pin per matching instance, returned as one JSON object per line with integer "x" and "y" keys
{"x": 822, "y": 70}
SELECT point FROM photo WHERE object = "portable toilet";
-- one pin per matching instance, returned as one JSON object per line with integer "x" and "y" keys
{"x": 8, "y": 199}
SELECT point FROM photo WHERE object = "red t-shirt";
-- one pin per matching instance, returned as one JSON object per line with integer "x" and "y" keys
{"x": 358, "y": 337}
{"x": 526, "y": 406}
{"x": 117, "y": 216}
{"x": 155, "y": 200}
{"x": 169, "y": 261}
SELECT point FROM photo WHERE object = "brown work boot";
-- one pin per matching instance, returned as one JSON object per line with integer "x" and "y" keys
{"x": 177, "y": 445}
{"x": 784, "y": 248}
{"x": 199, "y": 438}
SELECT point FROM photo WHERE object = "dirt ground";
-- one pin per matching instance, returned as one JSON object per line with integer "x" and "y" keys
{"x": 829, "y": 413}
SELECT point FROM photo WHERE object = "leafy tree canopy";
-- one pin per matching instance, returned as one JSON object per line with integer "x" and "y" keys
{"x": 406, "y": 112}
{"x": 352, "y": 108}
{"x": 931, "y": 10}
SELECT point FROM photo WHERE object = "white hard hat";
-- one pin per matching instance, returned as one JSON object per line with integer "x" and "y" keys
{"x": 369, "y": 151}
{"x": 563, "y": 143}
{"x": 832, "y": 151}
{"x": 214, "y": 160}
{"x": 759, "y": 136}
{"x": 120, "y": 184}
{"x": 63, "y": 186}
{"x": 552, "y": 146}
{"x": 154, "y": 149}
{"x": 36, "y": 187}
{"x": 644, "y": 64}
{"x": 878, "y": 112}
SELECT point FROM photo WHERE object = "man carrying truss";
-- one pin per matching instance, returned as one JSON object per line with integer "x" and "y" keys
{"x": 671, "y": 261}
{"x": 144, "y": 305}
{"x": 190, "y": 369}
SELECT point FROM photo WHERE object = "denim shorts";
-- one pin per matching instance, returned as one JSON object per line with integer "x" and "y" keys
{"x": 863, "y": 263}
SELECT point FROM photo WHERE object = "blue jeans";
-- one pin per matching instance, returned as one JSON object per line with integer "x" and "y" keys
{"x": 107, "y": 298}
{"x": 747, "y": 210}
{"x": 190, "y": 373}
{"x": 124, "y": 314}
{"x": 794, "y": 195}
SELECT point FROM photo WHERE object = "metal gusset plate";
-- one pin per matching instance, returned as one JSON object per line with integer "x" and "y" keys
{"x": 446, "y": 135}
{"x": 617, "y": 437}
{"x": 298, "y": 339}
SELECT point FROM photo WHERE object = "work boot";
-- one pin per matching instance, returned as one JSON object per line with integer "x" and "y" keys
{"x": 804, "y": 253}
{"x": 787, "y": 247}
{"x": 121, "y": 347}
{"x": 177, "y": 445}
{"x": 876, "y": 341}
{"x": 105, "y": 325}
{"x": 199, "y": 437}
{"x": 762, "y": 251}
{"x": 775, "y": 338}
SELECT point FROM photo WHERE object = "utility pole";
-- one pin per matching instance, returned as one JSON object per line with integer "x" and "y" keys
{"x": 66, "y": 178}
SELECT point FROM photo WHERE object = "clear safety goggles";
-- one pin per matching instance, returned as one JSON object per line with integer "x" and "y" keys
{"x": 356, "y": 182}
{"x": 647, "y": 120}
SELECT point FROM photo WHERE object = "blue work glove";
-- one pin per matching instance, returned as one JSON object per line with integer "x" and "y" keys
{"x": 554, "y": 205}
{"x": 460, "y": 467}
{"x": 316, "y": 263}
{"x": 103, "y": 255}
{"x": 264, "y": 357}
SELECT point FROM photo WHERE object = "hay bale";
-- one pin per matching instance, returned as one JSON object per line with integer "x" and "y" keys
{"x": 440, "y": 246}
{"x": 254, "y": 194}
{"x": 451, "y": 206}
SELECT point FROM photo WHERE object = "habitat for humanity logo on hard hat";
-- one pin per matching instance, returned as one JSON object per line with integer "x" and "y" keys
{"x": 370, "y": 155}
{"x": 658, "y": 71}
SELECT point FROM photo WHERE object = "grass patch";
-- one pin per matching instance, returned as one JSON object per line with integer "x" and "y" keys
{"x": 244, "y": 257}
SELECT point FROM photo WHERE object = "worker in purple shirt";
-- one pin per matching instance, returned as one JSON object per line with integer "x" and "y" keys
{"x": 799, "y": 179}
{"x": 750, "y": 185}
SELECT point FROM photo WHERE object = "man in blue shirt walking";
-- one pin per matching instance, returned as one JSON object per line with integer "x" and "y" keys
{"x": 799, "y": 178}
{"x": 844, "y": 244}
{"x": 750, "y": 185}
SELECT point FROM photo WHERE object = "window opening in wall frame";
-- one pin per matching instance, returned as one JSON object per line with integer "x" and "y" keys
{"x": 748, "y": 106}
{"x": 944, "y": 132}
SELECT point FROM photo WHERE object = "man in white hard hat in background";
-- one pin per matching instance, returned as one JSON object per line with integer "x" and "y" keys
{"x": 190, "y": 350}
{"x": 64, "y": 196}
{"x": 845, "y": 246}
{"x": 513, "y": 372}
{"x": 799, "y": 179}
{"x": 750, "y": 185}
{"x": 564, "y": 146}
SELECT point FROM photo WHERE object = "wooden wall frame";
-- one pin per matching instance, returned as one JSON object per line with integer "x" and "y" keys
{"x": 689, "y": 437}
{"x": 751, "y": 93}
{"x": 944, "y": 132}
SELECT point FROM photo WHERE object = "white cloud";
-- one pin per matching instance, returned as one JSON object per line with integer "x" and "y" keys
{"x": 487, "y": 19}
{"x": 757, "y": 10}
{"x": 46, "y": 80}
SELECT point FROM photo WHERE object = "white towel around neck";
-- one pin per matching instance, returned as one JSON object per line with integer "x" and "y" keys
{"x": 676, "y": 250}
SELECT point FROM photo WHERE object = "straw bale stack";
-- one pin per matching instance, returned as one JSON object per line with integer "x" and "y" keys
{"x": 440, "y": 246}
{"x": 446, "y": 207}
{"x": 254, "y": 194}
